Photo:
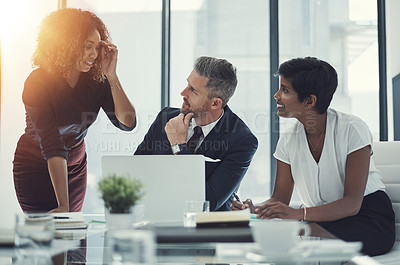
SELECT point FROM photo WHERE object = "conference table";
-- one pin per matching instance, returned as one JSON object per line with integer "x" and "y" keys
{"x": 176, "y": 244}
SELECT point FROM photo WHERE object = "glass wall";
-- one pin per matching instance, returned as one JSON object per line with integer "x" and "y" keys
{"x": 19, "y": 21}
{"x": 393, "y": 63}
{"x": 135, "y": 27}
{"x": 344, "y": 33}
{"x": 238, "y": 32}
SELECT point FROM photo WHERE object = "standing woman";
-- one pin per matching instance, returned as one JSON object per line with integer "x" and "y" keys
{"x": 327, "y": 155}
{"x": 76, "y": 76}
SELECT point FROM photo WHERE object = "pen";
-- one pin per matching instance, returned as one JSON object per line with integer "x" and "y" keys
{"x": 61, "y": 217}
{"x": 237, "y": 197}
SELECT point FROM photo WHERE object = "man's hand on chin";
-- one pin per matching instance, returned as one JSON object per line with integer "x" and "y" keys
{"x": 177, "y": 128}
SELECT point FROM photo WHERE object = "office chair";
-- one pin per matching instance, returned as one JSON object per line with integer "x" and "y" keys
{"x": 387, "y": 160}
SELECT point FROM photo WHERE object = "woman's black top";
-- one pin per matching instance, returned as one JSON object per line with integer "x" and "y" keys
{"x": 58, "y": 116}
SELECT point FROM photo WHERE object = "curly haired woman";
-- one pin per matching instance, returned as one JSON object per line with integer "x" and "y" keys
{"x": 75, "y": 77}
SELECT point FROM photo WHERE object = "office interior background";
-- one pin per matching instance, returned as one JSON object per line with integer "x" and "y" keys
{"x": 342, "y": 32}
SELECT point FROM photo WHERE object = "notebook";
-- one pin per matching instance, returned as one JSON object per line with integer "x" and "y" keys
{"x": 69, "y": 220}
{"x": 223, "y": 218}
{"x": 169, "y": 181}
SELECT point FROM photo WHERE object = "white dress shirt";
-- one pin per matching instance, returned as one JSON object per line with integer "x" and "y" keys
{"x": 323, "y": 182}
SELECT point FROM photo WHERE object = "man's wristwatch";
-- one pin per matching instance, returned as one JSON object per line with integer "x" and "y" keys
{"x": 177, "y": 148}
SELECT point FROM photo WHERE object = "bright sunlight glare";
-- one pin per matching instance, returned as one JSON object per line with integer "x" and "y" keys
{"x": 16, "y": 15}
{"x": 362, "y": 10}
{"x": 104, "y": 6}
{"x": 13, "y": 13}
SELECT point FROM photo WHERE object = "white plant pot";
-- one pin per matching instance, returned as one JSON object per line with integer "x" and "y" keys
{"x": 125, "y": 220}
{"x": 116, "y": 221}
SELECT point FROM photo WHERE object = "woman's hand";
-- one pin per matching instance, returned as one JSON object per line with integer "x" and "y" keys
{"x": 60, "y": 209}
{"x": 276, "y": 209}
{"x": 124, "y": 110}
{"x": 108, "y": 58}
{"x": 236, "y": 205}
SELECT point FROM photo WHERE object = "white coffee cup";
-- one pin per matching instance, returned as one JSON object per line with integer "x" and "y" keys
{"x": 277, "y": 237}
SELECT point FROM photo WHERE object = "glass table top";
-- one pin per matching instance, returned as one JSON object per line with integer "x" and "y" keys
{"x": 93, "y": 246}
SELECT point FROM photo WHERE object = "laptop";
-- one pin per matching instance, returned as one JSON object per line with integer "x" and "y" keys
{"x": 169, "y": 181}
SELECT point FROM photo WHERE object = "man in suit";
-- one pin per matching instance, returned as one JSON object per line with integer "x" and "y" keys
{"x": 206, "y": 125}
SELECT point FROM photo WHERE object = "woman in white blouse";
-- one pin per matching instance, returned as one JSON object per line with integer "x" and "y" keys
{"x": 327, "y": 155}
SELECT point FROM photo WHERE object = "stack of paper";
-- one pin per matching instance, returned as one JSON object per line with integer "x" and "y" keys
{"x": 70, "y": 220}
{"x": 223, "y": 218}
{"x": 72, "y": 234}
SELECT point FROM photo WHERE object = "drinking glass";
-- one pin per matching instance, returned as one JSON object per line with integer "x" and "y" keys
{"x": 190, "y": 210}
{"x": 132, "y": 247}
{"x": 37, "y": 229}
{"x": 34, "y": 234}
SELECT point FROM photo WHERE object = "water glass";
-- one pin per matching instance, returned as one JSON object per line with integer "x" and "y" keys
{"x": 34, "y": 229}
{"x": 132, "y": 247}
{"x": 190, "y": 210}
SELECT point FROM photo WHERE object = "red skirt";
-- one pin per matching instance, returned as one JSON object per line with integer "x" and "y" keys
{"x": 33, "y": 186}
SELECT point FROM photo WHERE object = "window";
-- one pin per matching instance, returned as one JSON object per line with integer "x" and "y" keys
{"x": 19, "y": 21}
{"x": 238, "y": 32}
{"x": 135, "y": 27}
{"x": 343, "y": 33}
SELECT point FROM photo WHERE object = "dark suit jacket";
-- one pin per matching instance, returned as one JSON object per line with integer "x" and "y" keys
{"x": 230, "y": 140}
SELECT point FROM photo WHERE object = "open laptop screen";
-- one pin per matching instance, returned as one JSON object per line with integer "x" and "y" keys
{"x": 168, "y": 180}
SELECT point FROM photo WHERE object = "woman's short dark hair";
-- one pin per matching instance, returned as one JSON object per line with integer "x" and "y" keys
{"x": 311, "y": 76}
{"x": 61, "y": 41}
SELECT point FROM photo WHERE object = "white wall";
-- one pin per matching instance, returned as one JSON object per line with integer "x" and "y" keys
{"x": 19, "y": 24}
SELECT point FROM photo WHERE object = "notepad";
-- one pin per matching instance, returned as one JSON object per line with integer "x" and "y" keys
{"x": 71, "y": 234}
{"x": 223, "y": 218}
{"x": 69, "y": 220}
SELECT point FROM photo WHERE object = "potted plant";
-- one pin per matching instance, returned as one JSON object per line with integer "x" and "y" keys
{"x": 120, "y": 194}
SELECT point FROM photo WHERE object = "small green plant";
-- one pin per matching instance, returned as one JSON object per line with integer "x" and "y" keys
{"x": 120, "y": 193}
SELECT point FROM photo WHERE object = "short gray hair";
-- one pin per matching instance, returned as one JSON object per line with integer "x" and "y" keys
{"x": 221, "y": 76}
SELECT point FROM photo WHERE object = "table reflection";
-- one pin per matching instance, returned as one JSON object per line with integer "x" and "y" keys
{"x": 73, "y": 256}
{"x": 95, "y": 248}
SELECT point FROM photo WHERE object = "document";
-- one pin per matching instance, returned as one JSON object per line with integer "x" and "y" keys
{"x": 69, "y": 220}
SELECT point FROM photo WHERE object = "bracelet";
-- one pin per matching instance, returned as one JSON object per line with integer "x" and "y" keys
{"x": 115, "y": 85}
{"x": 304, "y": 213}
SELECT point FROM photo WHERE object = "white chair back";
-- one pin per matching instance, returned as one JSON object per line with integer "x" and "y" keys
{"x": 387, "y": 160}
